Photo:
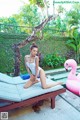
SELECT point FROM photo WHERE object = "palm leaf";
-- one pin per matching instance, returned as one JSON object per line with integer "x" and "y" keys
{"x": 72, "y": 46}
{"x": 69, "y": 41}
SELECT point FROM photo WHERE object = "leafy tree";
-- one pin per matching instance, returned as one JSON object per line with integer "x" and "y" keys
{"x": 9, "y": 25}
{"x": 43, "y": 5}
{"x": 60, "y": 24}
{"x": 29, "y": 16}
{"x": 40, "y": 3}
{"x": 73, "y": 19}
{"x": 60, "y": 9}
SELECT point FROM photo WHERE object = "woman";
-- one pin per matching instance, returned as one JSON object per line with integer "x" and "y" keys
{"x": 32, "y": 66}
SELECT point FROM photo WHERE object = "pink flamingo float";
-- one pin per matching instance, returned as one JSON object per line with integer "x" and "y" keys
{"x": 73, "y": 81}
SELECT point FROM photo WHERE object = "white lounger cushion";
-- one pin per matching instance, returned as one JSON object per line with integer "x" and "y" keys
{"x": 17, "y": 93}
{"x": 11, "y": 80}
{"x": 4, "y": 78}
{"x": 35, "y": 90}
{"x": 9, "y": 92}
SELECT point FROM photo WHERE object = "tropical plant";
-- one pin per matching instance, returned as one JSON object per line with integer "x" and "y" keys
{"x": 73, "y": 21}
{"x": 74, "y": 42}
{"x": 53, "y": 60}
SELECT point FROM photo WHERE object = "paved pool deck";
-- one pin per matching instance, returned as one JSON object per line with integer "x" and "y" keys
{"x": 64, "y": 110}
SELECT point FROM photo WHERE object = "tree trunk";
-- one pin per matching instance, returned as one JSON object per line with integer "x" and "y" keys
{"x": 17, "y": 60}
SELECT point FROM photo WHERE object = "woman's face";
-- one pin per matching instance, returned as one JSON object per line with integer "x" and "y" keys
{"x": 34, "y": 51}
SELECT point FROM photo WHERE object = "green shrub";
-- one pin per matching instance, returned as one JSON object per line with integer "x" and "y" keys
{"x": 53, "y": 60}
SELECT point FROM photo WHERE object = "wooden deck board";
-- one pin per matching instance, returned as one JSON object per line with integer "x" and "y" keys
{"x": 72, "y": 99}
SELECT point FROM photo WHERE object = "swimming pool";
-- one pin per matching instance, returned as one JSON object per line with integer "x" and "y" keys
{"x": 60, "y": 76}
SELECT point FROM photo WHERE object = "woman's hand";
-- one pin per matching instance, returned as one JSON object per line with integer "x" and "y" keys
{"x": 33, "y": 78}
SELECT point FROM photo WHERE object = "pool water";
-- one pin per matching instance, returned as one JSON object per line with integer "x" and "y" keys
{"x": 59, "y": 77}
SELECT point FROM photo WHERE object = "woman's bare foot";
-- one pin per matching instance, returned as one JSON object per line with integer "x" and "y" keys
{"x": 59, "y": 82}
{"x": 36, "y": 81}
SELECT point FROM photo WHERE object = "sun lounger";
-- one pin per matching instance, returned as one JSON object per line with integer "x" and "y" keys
{"x": 13, "y": 95}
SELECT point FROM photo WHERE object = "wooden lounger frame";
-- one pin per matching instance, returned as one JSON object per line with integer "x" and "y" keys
{"x": 33, "y": 100}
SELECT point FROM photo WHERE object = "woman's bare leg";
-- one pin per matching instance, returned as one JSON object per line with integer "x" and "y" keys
{"x": 43, "y": 81}
{"x": 30, "y": 82}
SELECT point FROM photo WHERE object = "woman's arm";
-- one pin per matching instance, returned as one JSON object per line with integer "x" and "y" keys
{"x": 28, "y": 70}
{"x": 37, "y": 65}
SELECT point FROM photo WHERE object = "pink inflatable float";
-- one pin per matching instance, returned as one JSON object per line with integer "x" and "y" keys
{"x": 73, "y": 80}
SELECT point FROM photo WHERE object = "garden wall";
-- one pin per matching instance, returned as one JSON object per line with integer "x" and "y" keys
{"x": 55, "y": 44}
